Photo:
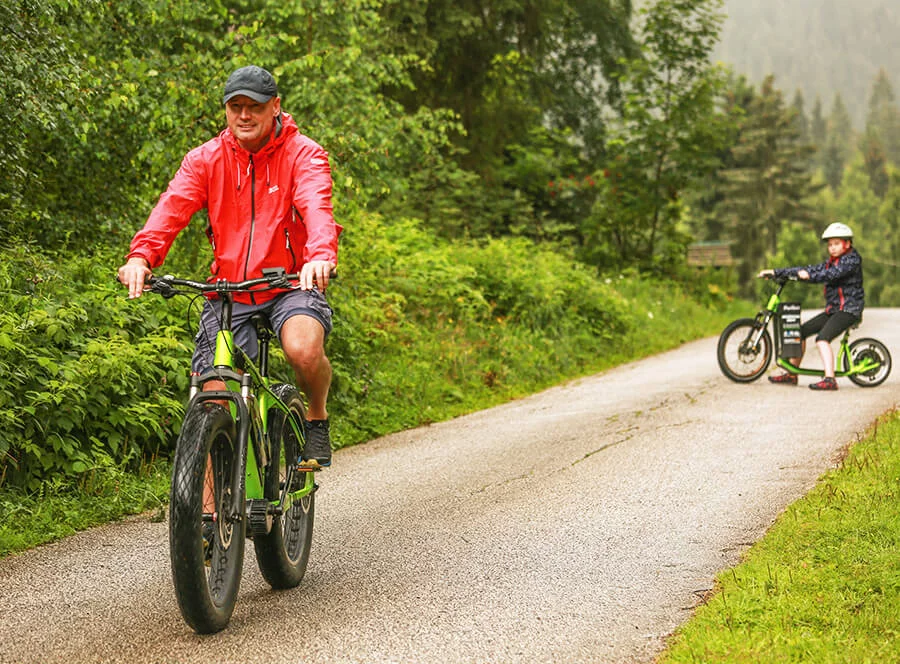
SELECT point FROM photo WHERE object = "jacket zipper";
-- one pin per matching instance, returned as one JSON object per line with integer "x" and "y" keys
{"x": 287, "y": 244}
{"x": 252, "y": 220}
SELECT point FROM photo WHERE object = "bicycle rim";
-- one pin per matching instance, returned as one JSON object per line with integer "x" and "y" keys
{"x": 875, "y": 352}
{"x": 739, "y": 359}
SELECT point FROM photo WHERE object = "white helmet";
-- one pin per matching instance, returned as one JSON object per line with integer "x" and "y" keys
{"x": 838, "y": 230}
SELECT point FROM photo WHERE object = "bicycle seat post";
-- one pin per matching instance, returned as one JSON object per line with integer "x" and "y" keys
{"x": 263, "y": 335}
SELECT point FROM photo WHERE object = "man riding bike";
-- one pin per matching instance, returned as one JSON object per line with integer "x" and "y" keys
{"x": 267, "y": 189}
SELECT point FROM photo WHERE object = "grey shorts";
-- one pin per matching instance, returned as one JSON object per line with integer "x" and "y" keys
{"x": 292, "y": 303}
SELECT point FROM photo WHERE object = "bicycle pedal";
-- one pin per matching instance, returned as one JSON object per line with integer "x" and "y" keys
{"x": 308, "y": 466}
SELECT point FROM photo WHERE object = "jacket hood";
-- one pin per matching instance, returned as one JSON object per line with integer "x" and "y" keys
{"x": 281, "y": 133}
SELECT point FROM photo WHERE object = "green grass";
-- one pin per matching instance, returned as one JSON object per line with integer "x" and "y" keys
{"x": 442, "y": 367}
{"x": 823, "y": 586}
{"x": 61, "y": 508}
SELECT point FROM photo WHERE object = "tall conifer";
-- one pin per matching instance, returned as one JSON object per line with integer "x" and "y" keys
{"x": 769, "y": 183}
{"x": 818, "y": 132}
{"x": 839, "y": 143}
{"x": 883, "y": 119}
{"x": 800, "y": 121}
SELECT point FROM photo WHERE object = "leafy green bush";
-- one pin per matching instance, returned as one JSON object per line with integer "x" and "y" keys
{"x": 86, "y": 375}
{"x": 425, "y": 329}
{"x": 61, "y": 506}
{"x": 545, "y": 290}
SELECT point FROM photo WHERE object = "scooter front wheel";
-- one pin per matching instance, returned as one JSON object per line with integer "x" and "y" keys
{"x": 745, "y": 350}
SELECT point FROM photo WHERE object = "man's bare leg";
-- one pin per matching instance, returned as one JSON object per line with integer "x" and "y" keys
{"x": 303, "y": 342}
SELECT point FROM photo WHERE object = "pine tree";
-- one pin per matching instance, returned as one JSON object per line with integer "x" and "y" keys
{"x": 705, "y": 222}
{"x": 838, "y": 144}
{"x": 800, "y": 121}
{"x": 875, "y": 162}
{"x": 818, "y": 133}
{"x": 769, "y": 183}
{"x": 883, "y": 119}
{"x": 818, "y": 127}
{"x": 886, "y": 254}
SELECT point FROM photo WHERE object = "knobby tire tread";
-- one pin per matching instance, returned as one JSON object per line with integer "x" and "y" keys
{"x": 206, "y": 594}
{"x": 736, "y": 328}
{"x": 283, "y": 553}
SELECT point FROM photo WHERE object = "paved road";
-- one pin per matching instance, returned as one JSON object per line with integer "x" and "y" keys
{"x": 581, "y": 524}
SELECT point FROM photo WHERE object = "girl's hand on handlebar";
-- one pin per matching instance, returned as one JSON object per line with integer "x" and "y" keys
{"x": 766, "y": 274}
{"x": 133, "y": 275}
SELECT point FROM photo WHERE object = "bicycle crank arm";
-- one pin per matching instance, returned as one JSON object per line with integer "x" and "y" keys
{"x": 302, "y": 483}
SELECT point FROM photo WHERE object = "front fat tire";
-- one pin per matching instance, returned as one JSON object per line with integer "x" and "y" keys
{"x": 206, "y": 594}
{"x": 878, "y": 351}
{"x": 741, "y": 365}
{"x": 283, "y": 553}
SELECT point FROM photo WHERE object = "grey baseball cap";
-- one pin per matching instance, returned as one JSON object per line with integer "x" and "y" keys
{"x": 251, "y": 81}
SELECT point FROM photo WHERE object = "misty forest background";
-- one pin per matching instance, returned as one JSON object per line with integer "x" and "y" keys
{"x": 514, "y": 178}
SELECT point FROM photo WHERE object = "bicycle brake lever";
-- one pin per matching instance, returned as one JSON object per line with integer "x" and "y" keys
{"x": 164, "y": 287}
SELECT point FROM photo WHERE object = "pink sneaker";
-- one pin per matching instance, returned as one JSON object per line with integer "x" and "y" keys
{"x": 824, "y": 384}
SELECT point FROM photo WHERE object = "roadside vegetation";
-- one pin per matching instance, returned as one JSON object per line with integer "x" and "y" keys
{"x": 824, "y": 584}
{"x": 62, "y": 506}
{"x": 426, "y": 330}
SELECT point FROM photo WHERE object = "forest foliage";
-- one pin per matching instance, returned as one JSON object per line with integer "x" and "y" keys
{"x": 496, "y": 170}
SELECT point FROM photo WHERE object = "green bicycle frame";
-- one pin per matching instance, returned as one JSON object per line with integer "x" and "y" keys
{"x": 250, "y": 410}
{"x": 267, "y": 399}
{"x": 843, "y": 358}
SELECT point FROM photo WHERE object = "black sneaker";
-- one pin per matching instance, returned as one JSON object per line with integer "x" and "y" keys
{"x": 825, "y": 384}
{"x": 317, "y": 451}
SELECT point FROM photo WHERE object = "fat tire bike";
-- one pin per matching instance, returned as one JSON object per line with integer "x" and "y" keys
{"x": 235, "y": 473}
{"x": 746, "y": 348}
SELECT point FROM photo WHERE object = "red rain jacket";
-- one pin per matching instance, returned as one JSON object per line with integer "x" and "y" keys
{"x": 267, "y": 209}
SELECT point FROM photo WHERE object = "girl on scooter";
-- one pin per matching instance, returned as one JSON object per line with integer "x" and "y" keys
{"x": 844, "y": 299}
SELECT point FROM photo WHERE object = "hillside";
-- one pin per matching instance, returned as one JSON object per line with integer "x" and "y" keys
{"x": 818, "y": 46}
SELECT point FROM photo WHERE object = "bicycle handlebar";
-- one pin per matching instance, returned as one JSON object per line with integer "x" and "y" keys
{"x": 278, "y": 278}
{"x": 780, "y": 280}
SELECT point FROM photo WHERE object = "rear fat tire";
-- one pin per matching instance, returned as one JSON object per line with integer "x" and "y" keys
{"x": 743, "y": 366}
{"x": 283, "y": 553}
{"x": 861, "y": 348}
{"x": 206, "y": 594}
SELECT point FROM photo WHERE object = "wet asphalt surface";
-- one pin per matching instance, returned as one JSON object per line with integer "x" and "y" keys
{"x": 582, "y": 524}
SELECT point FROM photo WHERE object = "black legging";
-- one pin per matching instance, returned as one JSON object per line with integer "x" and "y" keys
{"x": 827, "y": 325}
